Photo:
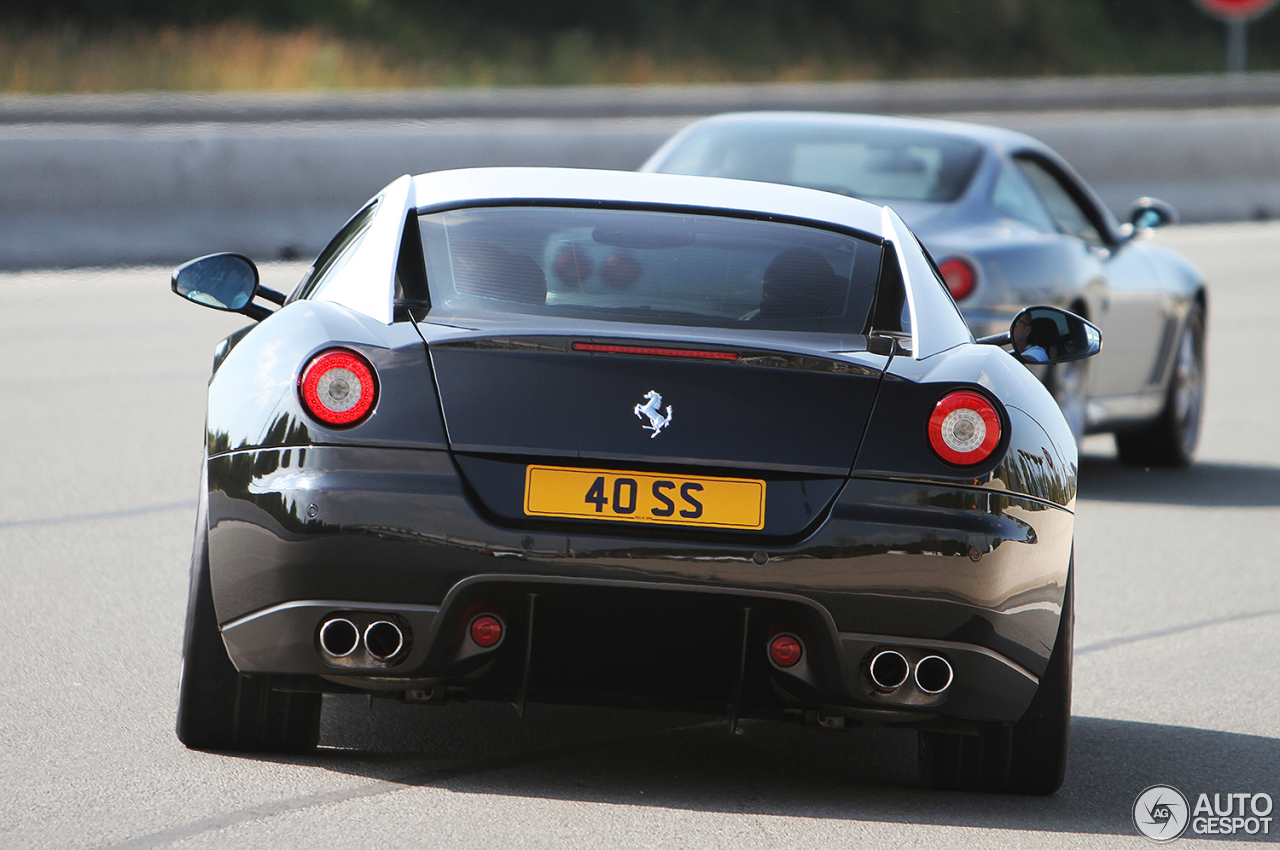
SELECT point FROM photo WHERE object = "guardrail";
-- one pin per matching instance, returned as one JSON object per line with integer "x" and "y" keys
{"x": 1207, "y": 91}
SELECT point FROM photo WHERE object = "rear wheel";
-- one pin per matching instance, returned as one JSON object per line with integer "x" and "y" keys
{"x": 220, "y": 708}
{"x": 1027, "y": 757}
{"x": 1171, "y": 439}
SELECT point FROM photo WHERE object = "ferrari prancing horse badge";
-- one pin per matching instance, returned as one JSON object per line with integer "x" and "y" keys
{"x": 652, "y": 409}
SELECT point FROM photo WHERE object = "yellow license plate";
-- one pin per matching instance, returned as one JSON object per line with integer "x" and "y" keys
{"x": 555, "y": 491}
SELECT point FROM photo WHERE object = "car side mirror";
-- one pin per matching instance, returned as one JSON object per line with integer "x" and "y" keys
{"x": 1053, "y": 335}
{"x": 224, "y": 282}
{"x": 1150, "y": 213}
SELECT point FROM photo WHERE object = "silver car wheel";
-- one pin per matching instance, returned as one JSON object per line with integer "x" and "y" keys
{"x": 1171, "y": 439}
{"x": 1188, "y": 386}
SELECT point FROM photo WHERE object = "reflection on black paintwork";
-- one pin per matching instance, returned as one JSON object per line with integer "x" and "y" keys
{"x": 1039, "y": 475}
{"x": 238, "y": 476}
{"x": 284, "y": 430}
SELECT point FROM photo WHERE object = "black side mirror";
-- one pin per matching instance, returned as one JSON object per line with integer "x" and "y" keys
{"x": 1149, "y": 213}
{"x": 221, "y": 281}
{"x": 224, "y": 282}
{"x": 1053, "y": 335}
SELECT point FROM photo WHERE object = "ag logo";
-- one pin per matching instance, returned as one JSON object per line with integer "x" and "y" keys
{"x": 1161, "y": 813}
{"x": 652, "y": 410}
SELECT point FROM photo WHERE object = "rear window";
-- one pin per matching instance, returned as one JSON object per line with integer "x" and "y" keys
{"x": 873, "y": 163}
{"x": 648, "y": 267}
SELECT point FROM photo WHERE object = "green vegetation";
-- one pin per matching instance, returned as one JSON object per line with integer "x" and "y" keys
{"x": 222, "y": 45}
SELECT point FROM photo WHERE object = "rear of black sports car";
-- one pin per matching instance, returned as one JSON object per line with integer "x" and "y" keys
{"x": 544, "y": 484}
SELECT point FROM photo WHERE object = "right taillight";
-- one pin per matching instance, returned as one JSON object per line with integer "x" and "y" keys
{"x": 964, "y": 428}
{"x": 338, "y": 388}
{"x": 959, "y": 276}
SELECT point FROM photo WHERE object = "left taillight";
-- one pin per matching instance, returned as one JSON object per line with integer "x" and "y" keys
{"x": 960, "y": 277}
{"x": 964, "y": 428}
{"x": 338, "y": 388}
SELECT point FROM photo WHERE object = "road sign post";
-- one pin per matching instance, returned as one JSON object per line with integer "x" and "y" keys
{"x": 1236, "y": 14}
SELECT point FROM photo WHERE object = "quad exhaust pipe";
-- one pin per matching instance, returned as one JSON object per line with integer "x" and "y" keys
{"x": 383, "y": 640}
{"x": 340, "y": 638}
{"x": 890, "y": 670}
{"x": 934, "y": 674}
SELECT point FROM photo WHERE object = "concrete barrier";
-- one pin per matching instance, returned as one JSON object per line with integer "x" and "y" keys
{"x": 120, "y": 194}
{"x": 105, "y": 180}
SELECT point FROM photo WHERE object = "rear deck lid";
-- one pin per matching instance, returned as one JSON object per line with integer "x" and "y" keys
{"x": 655, "y": 401}
{"x": 663, "y": 336}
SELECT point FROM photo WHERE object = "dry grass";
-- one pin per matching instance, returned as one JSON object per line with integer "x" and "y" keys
{"x": 230, "y": 57}
{"x": 242, "y": 57}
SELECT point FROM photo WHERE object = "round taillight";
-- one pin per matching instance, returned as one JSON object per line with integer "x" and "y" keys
{"x": 486, "y": 631}
{"x": 959, "y": 276}
{"x": 786, "y": 650}
{"x": 964, "y": 428}
{"x": 338, "y": 388}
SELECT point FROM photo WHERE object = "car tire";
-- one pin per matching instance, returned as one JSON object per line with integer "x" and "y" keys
{"x": 1026, "y": 757}
{"x": 220, "y": 708}
{"x": 1068, "y": 383}
{"x": 1171, "y": 440}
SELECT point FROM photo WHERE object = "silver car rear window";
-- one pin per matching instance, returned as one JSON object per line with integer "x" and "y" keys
{"x": 872, "y": 163}
{"x": 648, "y": 267}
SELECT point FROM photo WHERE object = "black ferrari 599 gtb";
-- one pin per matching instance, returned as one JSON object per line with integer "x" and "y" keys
{"x": 571, "y": 436}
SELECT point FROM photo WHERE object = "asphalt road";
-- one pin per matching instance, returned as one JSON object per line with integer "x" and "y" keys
{"x": 103, "y": 371}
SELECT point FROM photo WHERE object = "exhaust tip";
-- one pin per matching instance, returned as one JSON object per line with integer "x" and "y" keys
{"x": 889, "y": 670}
{"x": 339, "y": 637}
{"x": 934, "y": 674}
{"x": 384, "y": 640}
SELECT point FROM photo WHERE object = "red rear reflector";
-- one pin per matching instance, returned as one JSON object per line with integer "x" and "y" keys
{"x": 656, "y": 352}
{"x": 964, "y": 428}
{"x": 486, "y": 630}
{"x": 959, "y": 276}
{"x": 785, "y": 651}
{"x": 338, "y": 388}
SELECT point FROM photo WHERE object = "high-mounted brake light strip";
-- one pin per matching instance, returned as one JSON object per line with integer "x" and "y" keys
{"x": 697, "y": 354}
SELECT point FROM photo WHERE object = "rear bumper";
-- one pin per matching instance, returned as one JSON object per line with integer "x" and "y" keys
{"x": 303, "y": 535}
{"x": 580, "y": 640}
